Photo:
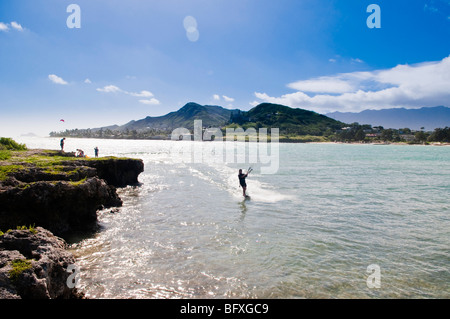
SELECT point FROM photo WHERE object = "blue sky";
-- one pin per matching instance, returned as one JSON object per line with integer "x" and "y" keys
{"x": 132, "y": 59}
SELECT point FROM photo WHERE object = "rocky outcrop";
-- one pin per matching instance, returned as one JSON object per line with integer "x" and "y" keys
{"x": 34, "y": 265}
{"x": 60, "y": 192}
{"x": 62, "y": 207}
{"x": 115, "y": 171}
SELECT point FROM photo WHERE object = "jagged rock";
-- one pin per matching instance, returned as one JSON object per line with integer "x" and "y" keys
{"x": 62, "y": 193}
{"x": 61, "y": 207}
{"x": 46, "y": 278}
{"x": 56, "y": 191}
{"x": 116, "y": 171}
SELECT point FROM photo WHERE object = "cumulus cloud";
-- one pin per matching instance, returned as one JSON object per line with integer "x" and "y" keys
{"x": 110, "y": 89}
{"x": 56, "y": 79}
{"x": 16, "y": 26}
{"x": 146, "y": 95}
{"x": 142, "y": 94}
{"x": 228, "y": 99}
{"x": 409, "y": 86}
{"x": 326, "y": 84}
{"x": 151, "y": 101}
{"x": 3, "y": 27}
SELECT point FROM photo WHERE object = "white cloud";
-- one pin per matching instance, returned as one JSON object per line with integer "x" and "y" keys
{"x": 217, "y": 97}
{"x": 56, "y": 79}
{"x": 3, "y": 27}
{"x": 109, "y": 89}
{"x": 13, "y": 24}
{"x": 87, "y": 81}
{"x": 142, "y": 94}
{"x": 228, "y": 99}
{"x": 326, "y": 84}
{"x": 409, "y": 86}
{"x": 16, "y": 26}
{"x": 151, "y": 101}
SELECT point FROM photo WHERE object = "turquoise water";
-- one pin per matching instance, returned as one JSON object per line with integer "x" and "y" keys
{"x": 309, "y": 231}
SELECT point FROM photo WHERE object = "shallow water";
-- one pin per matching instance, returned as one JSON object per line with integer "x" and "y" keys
{"x": 309, "y": 231}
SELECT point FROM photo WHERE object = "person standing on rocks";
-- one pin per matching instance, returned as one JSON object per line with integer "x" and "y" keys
{"x": 62, "y": 144}
{"x": 96, "y": 151}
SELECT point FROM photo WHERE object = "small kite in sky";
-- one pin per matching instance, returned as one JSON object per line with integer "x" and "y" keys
{"x": 61, "y": 120}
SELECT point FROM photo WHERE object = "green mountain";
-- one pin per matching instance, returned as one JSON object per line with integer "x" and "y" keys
{"x": 211, "y": 116}
{"x": 288, "y": 120}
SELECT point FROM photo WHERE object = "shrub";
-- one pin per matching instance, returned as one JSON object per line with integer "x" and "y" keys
{"x": 9, "y": 144}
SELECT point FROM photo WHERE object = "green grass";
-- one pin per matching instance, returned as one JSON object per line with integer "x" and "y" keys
{"x": 8, "y": 169}
{"x": 77, "y": 183}
{"x": 32, "y": 229}
{"x": 18, "y": 267}
{"x": 43, "y": 161}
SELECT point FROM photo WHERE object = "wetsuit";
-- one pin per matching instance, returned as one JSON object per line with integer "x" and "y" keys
{"x": 242, "y": 179}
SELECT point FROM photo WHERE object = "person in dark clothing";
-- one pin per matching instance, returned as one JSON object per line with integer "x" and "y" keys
{"x": 242, "y": 182}
{"x": 96, "y": 151}
{"x": 62, "y": 144}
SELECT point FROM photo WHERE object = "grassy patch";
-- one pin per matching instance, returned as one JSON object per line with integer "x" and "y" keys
{"x": 8, "y": 169}
{"x": 18, "y": 267}
{"x": 78, "y": 183}
{"x": 30, "y": 228}
{"x": 44, "y": 161}
{"x": 58, "y": 169}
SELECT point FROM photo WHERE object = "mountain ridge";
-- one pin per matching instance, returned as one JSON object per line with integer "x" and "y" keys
{"x": 210, "y": 115}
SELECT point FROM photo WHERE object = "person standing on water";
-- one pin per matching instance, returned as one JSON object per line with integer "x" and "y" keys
{"x": 62, "y": 144}
{"x": 242, "y": 182}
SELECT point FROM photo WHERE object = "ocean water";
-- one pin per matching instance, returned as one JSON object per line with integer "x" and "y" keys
{"x": 311, "y": 230}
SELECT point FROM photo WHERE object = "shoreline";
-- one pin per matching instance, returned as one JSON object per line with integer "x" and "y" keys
{"x": 281, "y": 141}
